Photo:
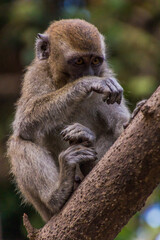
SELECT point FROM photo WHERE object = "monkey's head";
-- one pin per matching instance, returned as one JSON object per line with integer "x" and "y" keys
{"x": 73, "y": 48}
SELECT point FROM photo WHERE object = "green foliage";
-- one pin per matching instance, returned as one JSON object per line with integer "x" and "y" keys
{"x": 141, "y": 86}
{"x": 25, "y": 12}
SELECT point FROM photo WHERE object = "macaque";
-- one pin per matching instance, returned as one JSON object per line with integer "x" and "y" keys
{"x": 70, "y": 112}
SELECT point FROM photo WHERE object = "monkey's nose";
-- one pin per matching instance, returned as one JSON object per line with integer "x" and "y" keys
{"x": 88, "y": 72}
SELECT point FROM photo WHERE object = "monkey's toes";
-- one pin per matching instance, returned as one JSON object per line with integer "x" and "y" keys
{"x": 78, "y": 154}
{"x": 77, "y": 133}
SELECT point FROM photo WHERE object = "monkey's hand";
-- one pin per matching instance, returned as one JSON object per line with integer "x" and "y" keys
{"x": 109, "y": 87}
{"x": 77, "y": 154}
{"x": 77, "y": 133}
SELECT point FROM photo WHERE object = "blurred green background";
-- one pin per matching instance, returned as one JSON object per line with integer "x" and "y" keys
{"x": 132, "y": 30}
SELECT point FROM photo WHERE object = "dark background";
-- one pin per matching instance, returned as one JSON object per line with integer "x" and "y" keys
{"x": 132, "y": 31}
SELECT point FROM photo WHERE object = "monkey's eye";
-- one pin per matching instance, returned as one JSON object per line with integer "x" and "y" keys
{"x": 96, "y": 61}
{"x": 79, "y": 61}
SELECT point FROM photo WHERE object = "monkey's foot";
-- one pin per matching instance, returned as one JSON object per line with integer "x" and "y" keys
{"x": 135, "y": 111}
{"x": 77, "y": 154}
{"x": 77, "y": 133}
{"x": 138, "y": 107}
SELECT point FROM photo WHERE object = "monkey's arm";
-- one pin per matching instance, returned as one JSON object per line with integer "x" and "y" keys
{"x": 53, "y": 109}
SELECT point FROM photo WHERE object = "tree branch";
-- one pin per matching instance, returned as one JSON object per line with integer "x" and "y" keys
{"x": 117, "y": 187}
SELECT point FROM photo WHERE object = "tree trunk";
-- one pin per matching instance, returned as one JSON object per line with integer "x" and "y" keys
{"x": 116, "y": 188}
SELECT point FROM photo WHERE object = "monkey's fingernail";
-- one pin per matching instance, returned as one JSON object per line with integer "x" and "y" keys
{"x": 77, "y": 179}
{"x": 104, "y": 99}
{"x": 119, "y": 101}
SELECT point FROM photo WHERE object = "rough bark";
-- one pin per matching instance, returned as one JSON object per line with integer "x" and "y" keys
{"x": 116, "y": 188}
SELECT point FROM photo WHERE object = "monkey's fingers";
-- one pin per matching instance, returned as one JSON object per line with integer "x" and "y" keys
{"x": 74, "y": 128}
{"x": 77, "y": 133}
{"x": 79, "y": 141}
{"x": 113, "y": 95}
{"x": 119, "y": 90}
{"x": 79, "y": 137}
{"x": 83, "y": 155}
{"x": 106, "y": 98}
{"x": 78, "y": 154}
{"x": 116, "y": 91}
{"x": 112, "y": 98}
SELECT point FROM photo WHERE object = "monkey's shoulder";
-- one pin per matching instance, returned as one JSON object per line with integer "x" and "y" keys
{"x": 37, "y": 80}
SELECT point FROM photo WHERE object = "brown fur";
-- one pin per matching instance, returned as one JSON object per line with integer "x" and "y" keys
{"x": 79, "y": 34}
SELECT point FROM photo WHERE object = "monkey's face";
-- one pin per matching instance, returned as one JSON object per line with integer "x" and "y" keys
{"x": 73, "y": 48}
{"x": 84, "y": 65}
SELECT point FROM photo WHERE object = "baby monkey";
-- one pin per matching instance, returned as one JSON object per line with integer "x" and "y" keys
{"x": 70, "y": 112}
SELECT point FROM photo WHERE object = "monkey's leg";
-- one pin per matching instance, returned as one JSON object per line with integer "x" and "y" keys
{"x": 40, "y": 181}
{"x": 35, "y": 173}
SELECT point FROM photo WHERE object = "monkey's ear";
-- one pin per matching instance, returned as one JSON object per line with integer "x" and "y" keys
{"x": 42, "y": 46}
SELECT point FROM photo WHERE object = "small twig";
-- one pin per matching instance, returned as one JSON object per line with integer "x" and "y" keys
{"x": 32, "y": 232}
